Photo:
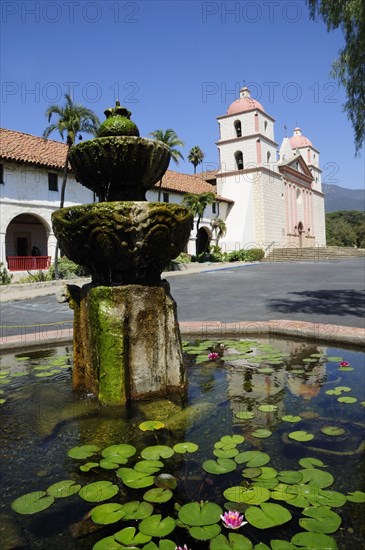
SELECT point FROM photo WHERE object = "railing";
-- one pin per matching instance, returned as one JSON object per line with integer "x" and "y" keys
{"x": 28, "y": 263}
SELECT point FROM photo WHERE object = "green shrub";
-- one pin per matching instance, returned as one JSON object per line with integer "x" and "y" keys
{"x": 5, "y": 277}
{"x": 183, "y": 258}
{"x": 254, "y": 255}
{"x": 68, "y": 269}
{"x": 38, "y": 277}
{"x": 250, "y": 255}
{"x": 236, "y": 256}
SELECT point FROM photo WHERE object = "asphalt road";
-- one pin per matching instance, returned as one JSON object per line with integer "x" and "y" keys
{"x": 322, "y": 292}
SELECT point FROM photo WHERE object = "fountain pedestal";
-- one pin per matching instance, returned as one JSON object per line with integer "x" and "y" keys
{"x": 126, "y": 335}
{"x": 126, "y": 342}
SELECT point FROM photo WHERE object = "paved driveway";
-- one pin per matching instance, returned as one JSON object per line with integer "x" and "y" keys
{"x": 324, "y": 292}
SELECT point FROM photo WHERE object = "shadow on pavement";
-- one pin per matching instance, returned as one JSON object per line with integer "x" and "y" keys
{"x": 323, "y": 302}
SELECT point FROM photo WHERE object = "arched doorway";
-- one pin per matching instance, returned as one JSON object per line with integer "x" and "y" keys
{"x": 203, "y": 240}
{"x": 26, "y": 243}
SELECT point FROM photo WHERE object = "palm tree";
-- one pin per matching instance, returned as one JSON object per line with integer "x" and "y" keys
{"x": 197, "y": 204}
{"x": 220, "y": 228}
{"x": 73, "y": 118}
{"x": 196, "y": 156}
{"x": 170, "y": 138}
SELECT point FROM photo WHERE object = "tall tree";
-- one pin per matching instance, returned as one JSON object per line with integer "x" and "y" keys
{"x": 220, "y": 228}
{"x": 196, "y": 156}
{"x": 349, "y": 67}
{"x": 197, "y": 204}
{"x": 169, "y": 138}
{"x": 73, "y": 119}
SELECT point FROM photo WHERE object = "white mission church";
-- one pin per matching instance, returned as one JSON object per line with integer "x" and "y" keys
{"x": 266, "y": 198}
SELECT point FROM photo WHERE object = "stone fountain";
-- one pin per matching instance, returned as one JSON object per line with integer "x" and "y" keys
{"x": 126, "y": 336}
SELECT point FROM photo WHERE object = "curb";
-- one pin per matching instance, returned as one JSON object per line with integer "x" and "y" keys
{"x": 350, "y": 336}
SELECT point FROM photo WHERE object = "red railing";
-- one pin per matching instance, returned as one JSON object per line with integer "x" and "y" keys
{"x": 28, "y": 263}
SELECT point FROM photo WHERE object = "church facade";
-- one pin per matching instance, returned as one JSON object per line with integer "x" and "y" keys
{"x": 267, "y": 198}
{"x": 277, "y": 195}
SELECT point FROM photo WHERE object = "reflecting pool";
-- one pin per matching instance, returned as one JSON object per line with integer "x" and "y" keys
{"x": 272, "y": 429}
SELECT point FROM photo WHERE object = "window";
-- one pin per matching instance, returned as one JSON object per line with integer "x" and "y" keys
{"x": 2, "y": 173}
{"x": 166, "y": 197}
{"x": 237, "y": 126}
{"x": 52, "y": 181}
{"x": 268, "y": 155}
{"x": 265, "y": 125}
{"x": 239, "y": 160}
{"x": 214, "y": 207}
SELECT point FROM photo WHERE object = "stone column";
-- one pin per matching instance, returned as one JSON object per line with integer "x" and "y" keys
{"x": 126, "y": 342}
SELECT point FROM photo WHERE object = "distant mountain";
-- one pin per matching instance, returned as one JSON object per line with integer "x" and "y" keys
{"x": 341, "y": 198}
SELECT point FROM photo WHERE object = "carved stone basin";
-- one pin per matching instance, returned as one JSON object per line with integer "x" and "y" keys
{"x": 123, "y": 242}
{"x": 119, "y": 167}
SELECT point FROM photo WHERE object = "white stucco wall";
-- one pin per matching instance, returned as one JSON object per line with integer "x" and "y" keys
{"x": 25, "y": 191}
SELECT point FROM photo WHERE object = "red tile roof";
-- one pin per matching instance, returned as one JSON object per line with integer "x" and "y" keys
{"x": 34, "y": 150}
{"x": 25, "y": 148}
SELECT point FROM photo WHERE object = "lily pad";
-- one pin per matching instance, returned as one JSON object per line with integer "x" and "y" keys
{"x": 346, "y": 399}
{"x": 261, "y": 433}
{"x": 291, "y": 418}
{"x": 157, "y": 451}
{"x": 185, "y": 447}
{"x": 245, "y": 415}
{"x": 163, "y": 544}
{"x": 108, "y": 543}
{"x": 319, "y": 478}
{"x": 226, "y": 452}
{"x": 267, "y": 408}
{"x": 31, "y": 503}
{"x": 332, "y": 430}
{"x": 290, "y": 477}
{"x": 235, "y": 541}
{"x": 334, "y": 359}
{"x": 219, "y": 466}
{"x": 158, "y": 495}
{"x": 333, "y": 499}
{"x": 106, "y": 514}
{"x": 314, "y": 541}
{"x": 267, "y": 515}
{"x": 135, "y": 480}
{"x": 301, "y": 435}
{"x": 88, "y": 466}
{"x": 129, "y": 537}
{"x": 119, "y": 453}
{"x": 310, "y": 462}
{"x": 83, "y": 451}
{"x": 281, "y": 545}
{"x": 250, "y": 495}
{"x": 151, "y": 425}
{"x": 63, "y": 489}
{"x": 205, "y": 532}
{"x": 232, "y": 439}
{"x": 253, "y": 459}
{"x": 137, "y": 510}
{"x": 148, "y": 466}
{"x": 98, "y": 491}
{"x": 155, "y": 526}
{"x": 321, "y": 519}
{"x": 200, "y": 513}
{"x": 356, "y": 496}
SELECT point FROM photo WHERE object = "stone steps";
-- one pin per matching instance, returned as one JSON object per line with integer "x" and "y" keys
{"x": 314, "y": 254}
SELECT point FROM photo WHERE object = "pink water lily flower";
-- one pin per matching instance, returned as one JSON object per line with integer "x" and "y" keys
{"x": 213, "y": 355}
{"x": 344, "y": 364}
{"x": 233, "y": 520}
{"x": 182, "y": 547}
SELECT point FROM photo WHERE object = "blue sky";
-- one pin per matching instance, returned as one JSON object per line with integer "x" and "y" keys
{"x": 179, "y": 64}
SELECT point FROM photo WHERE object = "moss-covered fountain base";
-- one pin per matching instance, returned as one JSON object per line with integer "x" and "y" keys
{"x": 119, "y": 332}
{"x": 126, "y": 336}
